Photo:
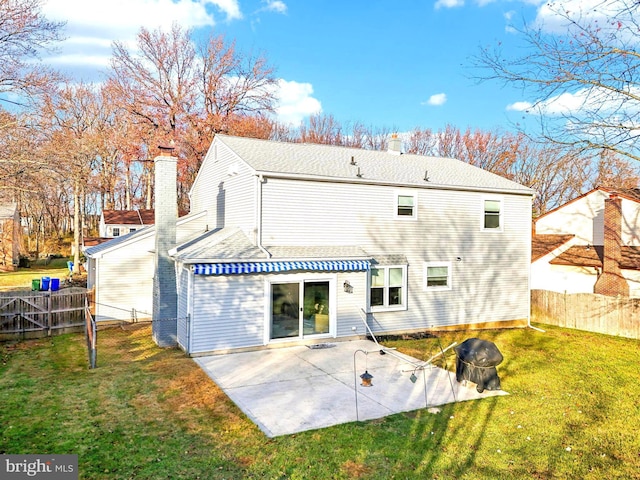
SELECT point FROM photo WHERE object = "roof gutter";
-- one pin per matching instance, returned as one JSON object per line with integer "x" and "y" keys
{"x": 427, "y": 185}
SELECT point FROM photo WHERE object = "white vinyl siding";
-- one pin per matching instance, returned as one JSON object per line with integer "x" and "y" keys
{"x": 125, "y": 282}
{"x": 491, "y": 278}
{"x": 228, "y": 313}
{"x": 229, "y": 199}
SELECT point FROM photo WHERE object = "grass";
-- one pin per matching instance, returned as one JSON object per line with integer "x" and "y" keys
{"x": 146, "y": 413}
{"x": 21, "y": 278}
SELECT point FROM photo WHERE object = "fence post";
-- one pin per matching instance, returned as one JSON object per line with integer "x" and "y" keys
{"x": 49, "y": 308}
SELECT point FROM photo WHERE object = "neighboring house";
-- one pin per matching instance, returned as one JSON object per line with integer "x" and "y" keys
{"x": 121, "y": 270}
{"x": 309, "y": 242}
{"x": 590, "y": 245}
{"x": 9, "y": 236}
{"x": 116, "y": 223}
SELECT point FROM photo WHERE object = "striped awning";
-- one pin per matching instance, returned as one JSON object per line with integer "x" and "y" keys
{"x": 274, "y": 267}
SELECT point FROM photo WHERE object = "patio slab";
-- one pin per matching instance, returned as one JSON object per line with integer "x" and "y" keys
{"x": 294, "y": 389}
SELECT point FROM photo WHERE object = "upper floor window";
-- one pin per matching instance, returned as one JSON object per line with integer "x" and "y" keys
{"x": 492, "y": 214}
{"x": 132, "y": 230}
{"x": 116, "y": 231}
{"x": 437, "y": 276}
{"x": 388, "y": 288}
{"x": 406, "y": 206}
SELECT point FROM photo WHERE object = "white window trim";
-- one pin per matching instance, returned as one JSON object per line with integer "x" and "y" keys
{"x": 332, "y": 278}
{"x": 501, "y": 215}
{"x": 426, "y": 266}
{"x": 414, "y": 215}
{"x": 389, "y": 308}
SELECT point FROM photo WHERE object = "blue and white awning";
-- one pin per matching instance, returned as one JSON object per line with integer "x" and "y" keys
{"x": 274, "y": 267}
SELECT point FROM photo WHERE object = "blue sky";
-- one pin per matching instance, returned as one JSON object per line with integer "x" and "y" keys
{"x": 399, "y": 64}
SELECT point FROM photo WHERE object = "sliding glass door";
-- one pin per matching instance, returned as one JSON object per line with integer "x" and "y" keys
{"x": 299, "y": 309}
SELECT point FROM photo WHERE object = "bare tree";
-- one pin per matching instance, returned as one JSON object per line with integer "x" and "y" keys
{"x": 588, "y": 54}
{"x": 24, "y": 34}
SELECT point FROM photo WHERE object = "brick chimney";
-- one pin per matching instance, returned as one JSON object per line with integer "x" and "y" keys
{"x": 611, "y": 282}
{"x": 165, "y": 295}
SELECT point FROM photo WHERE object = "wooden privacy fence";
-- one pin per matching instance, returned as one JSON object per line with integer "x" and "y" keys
{"x": 39, "y": 314}
{"x": 587, "y": 311}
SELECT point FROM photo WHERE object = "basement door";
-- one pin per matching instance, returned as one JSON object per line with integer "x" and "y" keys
{"x": 300, "y": 309}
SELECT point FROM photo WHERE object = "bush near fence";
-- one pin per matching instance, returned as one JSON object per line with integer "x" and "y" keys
{"x": 618, "y": 316}
{"x": 27, "y": 314}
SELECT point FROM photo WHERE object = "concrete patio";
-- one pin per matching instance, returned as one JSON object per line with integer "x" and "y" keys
{"x": 294, "y": 389}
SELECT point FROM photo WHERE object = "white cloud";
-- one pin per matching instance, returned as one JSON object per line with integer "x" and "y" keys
{"x": 277, "y": 6}
{"x": 92, "y": 25}
{"x": 436, "y": 100}
{"x": 295, "y": 102}
{"x": 519, "y": 106}
{"x": 448, "y": 4}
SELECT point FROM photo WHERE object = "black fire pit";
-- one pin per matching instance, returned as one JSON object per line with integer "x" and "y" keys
{"x": 476, "y": 362}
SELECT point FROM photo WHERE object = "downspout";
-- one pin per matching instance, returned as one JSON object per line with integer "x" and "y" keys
{"x": 260, "y": 180}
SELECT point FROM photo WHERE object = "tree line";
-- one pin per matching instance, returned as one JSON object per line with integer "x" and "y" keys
{"x": 71, "y": 149}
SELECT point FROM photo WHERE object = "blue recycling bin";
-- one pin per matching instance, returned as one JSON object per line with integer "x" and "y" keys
{"x": 44, "y": 283}
{"x": 55, "y": 284}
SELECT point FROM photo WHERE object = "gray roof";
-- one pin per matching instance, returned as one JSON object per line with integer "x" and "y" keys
{"x": 232, "y": 245}
{"x": 335, "y": 162}
{"x": 117, "y": 241}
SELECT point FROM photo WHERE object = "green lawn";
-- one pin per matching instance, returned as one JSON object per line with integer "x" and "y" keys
{"x": 149, "y": 413}
{"x": 21, "y": 279}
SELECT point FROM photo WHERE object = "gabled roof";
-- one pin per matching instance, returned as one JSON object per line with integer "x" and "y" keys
{"x": 118, "y": 241}
{"x": 591, "y": 256}
{"x": 364, "y": 166}
{"x": 543, "y": 244}
{"x": 129, "y": 217}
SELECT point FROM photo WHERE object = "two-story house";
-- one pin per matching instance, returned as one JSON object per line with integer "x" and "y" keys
{"x": 313, "y": 242}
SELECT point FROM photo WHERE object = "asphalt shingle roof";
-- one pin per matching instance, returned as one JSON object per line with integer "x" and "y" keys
{"x": 373, "y": 166}
{"x": 591, "y": 256}
{"x": 542, "y": 244}
{"x": 129, "y": 217}
{"x": 228, "y": 245}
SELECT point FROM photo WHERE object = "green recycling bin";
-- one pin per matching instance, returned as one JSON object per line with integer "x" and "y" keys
{"x": 35, "y": 284}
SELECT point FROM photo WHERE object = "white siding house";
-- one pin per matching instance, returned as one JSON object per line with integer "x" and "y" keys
{"x": 572, "y": 249}
{"x": 314, "y": 242}
{"x": 121, "y": 270}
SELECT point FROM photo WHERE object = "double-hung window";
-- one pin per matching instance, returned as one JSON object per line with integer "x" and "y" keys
{"x": 388, "y": 288}
{"x": 406, "y": 206}
{"x": 437, "y": 276}
{"x": 116, "y": 231}
{"x": 492, "y": 214}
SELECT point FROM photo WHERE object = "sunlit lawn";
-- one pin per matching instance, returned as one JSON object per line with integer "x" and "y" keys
{"x": 21, "y": 279}
{"x": 146, "y": 413}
